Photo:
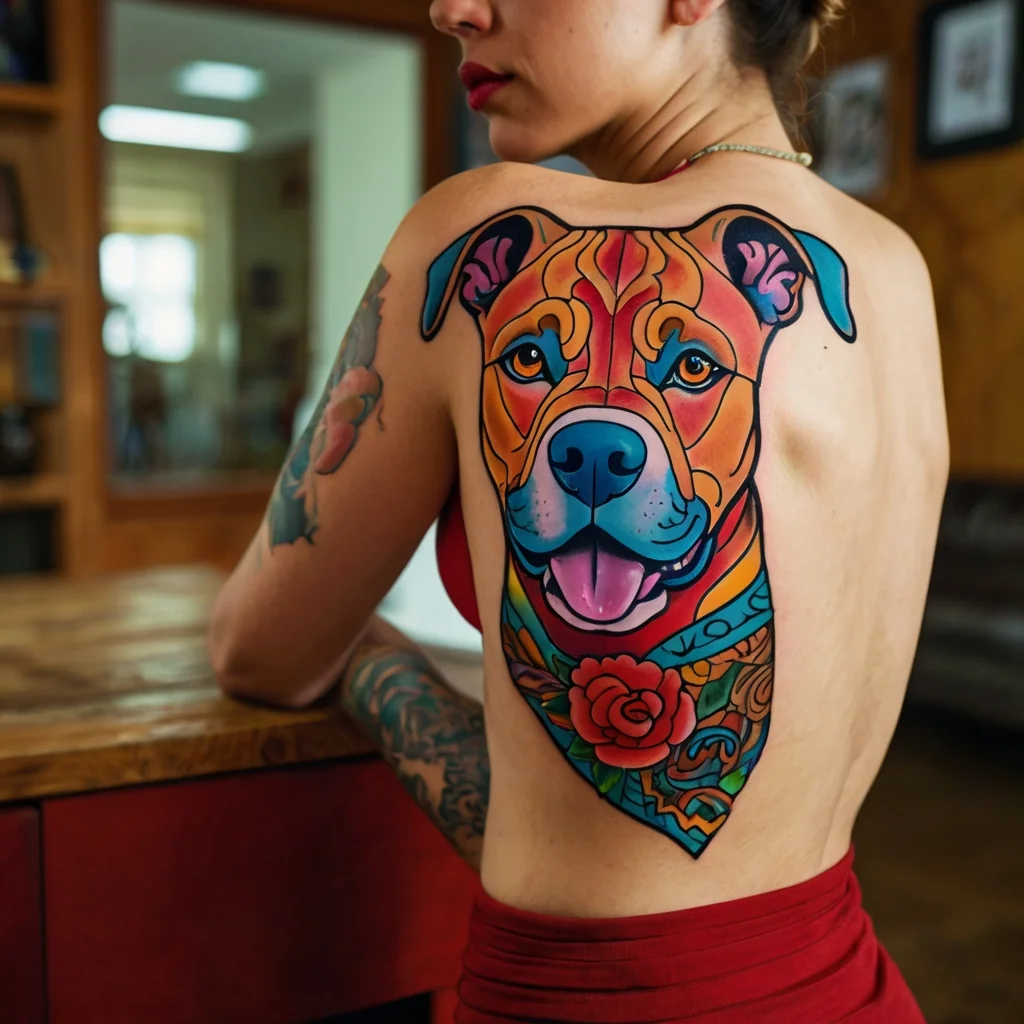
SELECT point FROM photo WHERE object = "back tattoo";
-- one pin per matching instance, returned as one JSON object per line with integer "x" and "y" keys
{"x": 619, "y": 426}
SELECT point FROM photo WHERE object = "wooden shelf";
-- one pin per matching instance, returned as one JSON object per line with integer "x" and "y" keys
{"x": 41, "y": 293}
{"x": 39, "y": 490}
{"x": 24, "y": 98}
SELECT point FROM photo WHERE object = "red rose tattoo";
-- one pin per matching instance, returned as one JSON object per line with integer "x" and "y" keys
{"x": 353, "y": 391}
{"x": 348, "y": 405}
{"x": 630, "y": 712}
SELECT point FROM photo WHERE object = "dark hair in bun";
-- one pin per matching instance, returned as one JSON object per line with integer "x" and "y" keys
{"x": 778, "y": 36}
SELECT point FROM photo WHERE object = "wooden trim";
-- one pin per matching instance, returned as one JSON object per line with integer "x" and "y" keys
{"x": 30, "y": 99}
{"x": 38, "y": 490}
{"x": 77, "y": 49}
{"x": 402, "y": 15}
{"x": 221, "y": 495}
{"x": 440, "y": 60}
{"x": 45, "y": 292}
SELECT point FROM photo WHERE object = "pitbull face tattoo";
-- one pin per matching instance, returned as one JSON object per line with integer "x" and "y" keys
{"x": 619, "y": 425}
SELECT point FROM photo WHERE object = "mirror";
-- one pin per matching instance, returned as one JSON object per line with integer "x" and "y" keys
{"x": 249, "y": 192}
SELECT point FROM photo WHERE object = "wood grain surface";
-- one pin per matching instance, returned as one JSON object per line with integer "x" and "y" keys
{"x": 966, "y": 214}
{"x": 106, "y": 682}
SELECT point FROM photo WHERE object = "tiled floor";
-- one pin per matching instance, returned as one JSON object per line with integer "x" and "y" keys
{"x": 940, "y": 857}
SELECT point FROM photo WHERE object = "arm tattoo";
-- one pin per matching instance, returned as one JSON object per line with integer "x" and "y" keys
{"x": 352, "y": 392}
{"x": 432, "y": 737}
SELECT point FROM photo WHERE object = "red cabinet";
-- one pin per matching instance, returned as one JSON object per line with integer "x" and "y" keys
{"x": 22, "y": 998}
{"x": 271, "y": 896}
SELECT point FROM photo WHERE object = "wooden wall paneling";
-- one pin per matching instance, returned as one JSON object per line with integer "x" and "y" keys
{"x": 202, "y": 533}
{"x": 967, "y": 216}
{"x": 22, "y": 994}
{"x": 440, "y": 63}
{"x": 78, "y": 62}
{"x": 34, "y": 146}
{"x": 275, "y": 896}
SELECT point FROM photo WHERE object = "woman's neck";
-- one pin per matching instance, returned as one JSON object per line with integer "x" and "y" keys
{"x": 646, "y": 144}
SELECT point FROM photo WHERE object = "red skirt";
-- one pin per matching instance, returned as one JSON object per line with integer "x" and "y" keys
{"x": 806, "y": 953}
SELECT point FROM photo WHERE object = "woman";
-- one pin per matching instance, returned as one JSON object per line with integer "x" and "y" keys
{"x": 698, "y": 427}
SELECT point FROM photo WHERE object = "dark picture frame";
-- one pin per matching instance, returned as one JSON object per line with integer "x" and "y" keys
{"x": 965, "y": 73}
{"x": 24, "y": 46}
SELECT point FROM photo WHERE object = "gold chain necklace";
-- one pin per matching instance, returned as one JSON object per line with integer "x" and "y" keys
{"x": 803, "y": 159}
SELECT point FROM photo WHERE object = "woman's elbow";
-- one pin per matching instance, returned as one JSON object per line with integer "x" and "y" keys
{"x": 240, "y": 667}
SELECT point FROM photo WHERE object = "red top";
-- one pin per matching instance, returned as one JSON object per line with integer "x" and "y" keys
{"x": 453, "y": 561}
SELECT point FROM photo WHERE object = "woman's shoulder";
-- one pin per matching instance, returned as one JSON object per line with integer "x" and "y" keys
{"x": 876, "y": 241}
{"x": 465, "y": 199}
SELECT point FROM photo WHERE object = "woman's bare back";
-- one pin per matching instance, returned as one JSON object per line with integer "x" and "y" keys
{"x": 702, "y": 452}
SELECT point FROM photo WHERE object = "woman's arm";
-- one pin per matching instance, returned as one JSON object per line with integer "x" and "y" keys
{"x": 355, "y": 496}
{"x": 432, "y": 736}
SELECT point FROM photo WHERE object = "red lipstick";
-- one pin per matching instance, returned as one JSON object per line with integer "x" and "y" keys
{"x": 481, "y": 82}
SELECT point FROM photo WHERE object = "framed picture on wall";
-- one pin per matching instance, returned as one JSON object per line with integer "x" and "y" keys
{"x": 852, "y": 127}
{"x": 971, "y": 84}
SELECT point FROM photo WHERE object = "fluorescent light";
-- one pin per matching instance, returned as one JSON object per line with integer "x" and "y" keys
{"x": 174, "y": 128}
{"x": 219, "y": 81}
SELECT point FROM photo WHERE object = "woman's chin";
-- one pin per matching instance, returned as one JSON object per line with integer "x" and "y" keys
{"x": 517, "y": 143}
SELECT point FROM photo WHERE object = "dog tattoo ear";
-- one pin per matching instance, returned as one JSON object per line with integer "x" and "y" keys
{"x": 769, "y": 263}
{"x": 765, "y": 265}
{"x": 483, "y": 261}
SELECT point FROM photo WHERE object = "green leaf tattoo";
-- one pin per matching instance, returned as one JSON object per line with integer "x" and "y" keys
{"x": 352, "y": 392}
{"x": 433, "y": 738}
{"x": 582, "y": 750}
{"x": 605, "y": 777}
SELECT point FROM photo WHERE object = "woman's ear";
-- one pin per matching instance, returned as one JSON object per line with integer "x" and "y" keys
{"x": 692, "y": 12}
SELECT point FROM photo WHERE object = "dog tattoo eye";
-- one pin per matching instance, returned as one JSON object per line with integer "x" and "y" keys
{"x": 526, "y": 364}
{"x": 695, "y": 371}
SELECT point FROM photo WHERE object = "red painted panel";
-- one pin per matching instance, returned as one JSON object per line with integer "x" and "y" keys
{"x": 273, "y": 897}
{"x": 22, "y": 997}
{"x": 442, "y": 1006}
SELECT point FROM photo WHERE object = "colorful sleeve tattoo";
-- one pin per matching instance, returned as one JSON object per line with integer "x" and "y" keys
{"x": 432, "y": 737}
{"x": 352, "y": 392}
{"x": 619, "y": 426}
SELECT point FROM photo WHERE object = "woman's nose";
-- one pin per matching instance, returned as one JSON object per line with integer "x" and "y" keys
{"x": 462, "y": 18}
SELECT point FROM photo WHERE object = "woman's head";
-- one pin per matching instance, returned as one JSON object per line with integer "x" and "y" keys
{"x": 550, "y": 74}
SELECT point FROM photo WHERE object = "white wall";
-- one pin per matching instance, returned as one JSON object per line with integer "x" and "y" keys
{"x": 367, "y": 154}
{"x": 366, "y": 175}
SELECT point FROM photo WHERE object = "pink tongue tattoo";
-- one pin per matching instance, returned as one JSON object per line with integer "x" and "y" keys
{"x": 598, "y": 585}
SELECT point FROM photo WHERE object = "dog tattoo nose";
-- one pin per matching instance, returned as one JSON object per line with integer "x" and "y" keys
{"x": 596, "y": 460}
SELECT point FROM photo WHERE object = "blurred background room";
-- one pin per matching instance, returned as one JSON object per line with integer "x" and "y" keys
{"x": 192, "y": 197}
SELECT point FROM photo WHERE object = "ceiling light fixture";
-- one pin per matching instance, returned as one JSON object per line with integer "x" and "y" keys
{"x": 150, "y": 127}
{"x": 217, "y": 81}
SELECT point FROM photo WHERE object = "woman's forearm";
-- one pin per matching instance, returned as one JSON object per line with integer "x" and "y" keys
{"x": 432, "y": 736}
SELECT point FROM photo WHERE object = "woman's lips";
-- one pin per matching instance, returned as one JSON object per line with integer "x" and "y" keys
{"x": 481, "y": 82}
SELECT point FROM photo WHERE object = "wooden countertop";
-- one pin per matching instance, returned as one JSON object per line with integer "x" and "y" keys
{"x": 106, "y": 682}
